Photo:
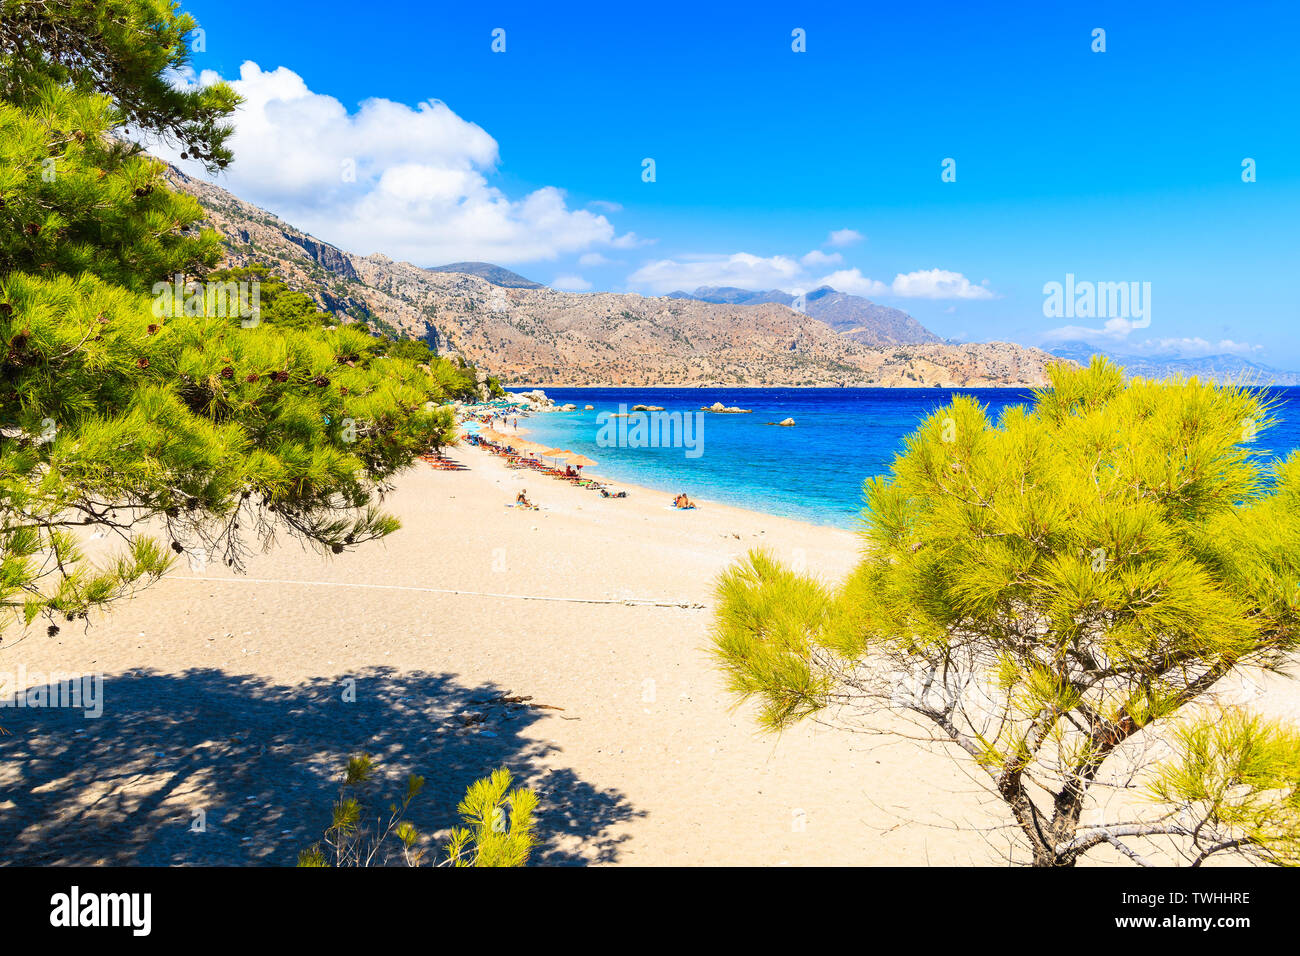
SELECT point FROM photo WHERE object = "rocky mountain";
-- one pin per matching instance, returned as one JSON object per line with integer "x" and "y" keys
{"x": 494, "y": 274}
{"x": 541, "y": 336}
{"x": 1214, "y": 368}
{"x": 853, "y": 316}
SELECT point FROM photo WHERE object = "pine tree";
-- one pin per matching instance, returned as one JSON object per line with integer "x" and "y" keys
{"x": 123, "y": 409}
{"x": 126, "y": 50}
{"x": 500, "y": 828}
{"x": 1075, "y": 581}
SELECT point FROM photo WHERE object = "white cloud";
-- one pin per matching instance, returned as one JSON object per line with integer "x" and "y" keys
{"x": 408, "y": 182}
{"x": 746, "y": 271}
{"x": 1115, "y": 332}
{"x": 594, "y": 259}
{"x": 854, "y": 282}
{"x": 937, "y": 284}
{"x": 742, "y": 270}
{"x": 820, "y": 260}
{"x": 844, "y": 237}
{"x": 1196, "y": 346}
{"x": 571, "y": 283}
{"x": 1112, "y": 330}
{"x": 630, "y": 240}
{"x": 923, "y": 284}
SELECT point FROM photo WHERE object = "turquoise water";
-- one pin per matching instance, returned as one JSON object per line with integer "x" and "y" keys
{"x": 814, "y": 471}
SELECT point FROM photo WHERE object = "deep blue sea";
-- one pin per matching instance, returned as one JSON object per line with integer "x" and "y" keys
{"x": 813, "y": 471}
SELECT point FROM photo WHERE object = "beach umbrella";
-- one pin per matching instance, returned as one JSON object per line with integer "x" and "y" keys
{"x": 580, "y": 461}
{"x": 557, "y": 453}
{"x": 529, "y": 447}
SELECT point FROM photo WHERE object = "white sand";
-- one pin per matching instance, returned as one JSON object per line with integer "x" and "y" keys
{"x": 225, "y": 694}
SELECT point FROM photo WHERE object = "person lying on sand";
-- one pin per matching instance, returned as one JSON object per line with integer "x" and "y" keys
{"x": 683, "y": 503}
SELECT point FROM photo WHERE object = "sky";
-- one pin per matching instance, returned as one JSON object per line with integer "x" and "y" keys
{"x": 947, "y": 159}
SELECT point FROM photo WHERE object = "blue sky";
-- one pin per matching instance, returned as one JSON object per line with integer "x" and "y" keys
{"x": 1122, "y": 166}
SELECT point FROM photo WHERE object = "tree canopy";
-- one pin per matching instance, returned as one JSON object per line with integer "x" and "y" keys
{"x": 123, "y": 409}
{"x": 128, "y": 50}
{"x": 1048, "y": 591}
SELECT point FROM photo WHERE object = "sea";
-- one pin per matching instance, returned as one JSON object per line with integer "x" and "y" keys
{"x": 813, "y": 471}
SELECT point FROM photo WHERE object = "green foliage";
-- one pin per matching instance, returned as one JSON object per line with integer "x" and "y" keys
{"x": 280, "y": 306}
{"x": 412, "y": 350}
{"x": 1238, "y": 773}
{"x": 121, "y": 415}
{"x": 112, "y": 416}
{"x": 74, "y": 199}
{"x": 1045, "y": 589}
{"x": 500, "y": 824}
{"x": 493, "y": 836}
{"x": 127, "y": 50}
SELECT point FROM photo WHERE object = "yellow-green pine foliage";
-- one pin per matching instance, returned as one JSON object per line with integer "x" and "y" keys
{"x": 1044, "y": 588}
{"x": 114, "y": 416}
{"x": 500, "y": 825}
{"x": 128, "y": 50}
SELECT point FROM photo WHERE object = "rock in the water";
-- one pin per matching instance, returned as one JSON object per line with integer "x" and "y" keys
{"x": 787, "y": 422}
{"x": 726, "y": 409}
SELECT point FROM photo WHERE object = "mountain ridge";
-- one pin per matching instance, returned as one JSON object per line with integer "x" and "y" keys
{"x": 1224, "y": 368}
{"x": 853, "y": 316}
{"x": 497, "y": 275}
{"x": 545, "y": 336}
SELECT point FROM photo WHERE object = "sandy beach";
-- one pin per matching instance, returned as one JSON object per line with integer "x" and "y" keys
{"x": 241, "y": 696}
{"x": 231, "y": 702}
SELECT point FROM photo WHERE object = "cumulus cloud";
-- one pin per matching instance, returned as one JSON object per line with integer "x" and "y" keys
{"x": 1115, "y": 333}
{"x": 854, "y": 282}
{"x": 630, "y": 240}
{"x": 742, "y": 270}
{"x": 820, "y": 260}
{"x": 1197, "y": 346}
{"x": 844, "y": 237}
{"x": 1113, "y": 330}
{"x": 746, "y": 271}
{"x": 938, "y": 284}
{"x": 571, "y": 283}
{"x": 409, "y": 182}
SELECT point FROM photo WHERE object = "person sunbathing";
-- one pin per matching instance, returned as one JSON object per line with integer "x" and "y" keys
{"x": 521, "y": 501}
{"x": 682, "y": 502}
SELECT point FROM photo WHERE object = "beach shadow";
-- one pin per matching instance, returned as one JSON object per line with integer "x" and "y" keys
{"x": 258, "y": 764}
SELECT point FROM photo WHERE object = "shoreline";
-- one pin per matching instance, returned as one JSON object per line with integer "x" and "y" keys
{"x": 650, "y": 491}
{"x": 569, "y": 644}
{"x": 243, "y": 695}
{"x": 801, "y": 388}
